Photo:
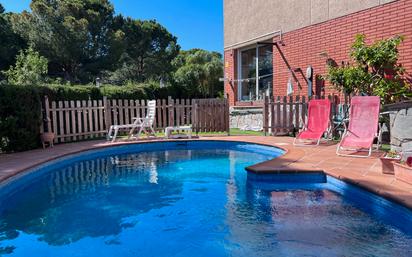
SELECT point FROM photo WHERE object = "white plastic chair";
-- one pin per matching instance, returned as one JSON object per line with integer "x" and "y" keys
{"x": 142, "y": 124}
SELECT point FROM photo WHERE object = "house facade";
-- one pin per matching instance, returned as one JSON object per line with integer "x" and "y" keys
{"x": 281, "y": 47}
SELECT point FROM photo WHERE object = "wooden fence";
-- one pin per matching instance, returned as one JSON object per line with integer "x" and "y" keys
{"x": 80, "y": 120}
{"x": 285, "y": 115}
{"x": 210, "y": 115}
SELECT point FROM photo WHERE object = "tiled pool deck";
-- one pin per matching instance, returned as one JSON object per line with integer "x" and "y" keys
{"x": 365, "y": 172}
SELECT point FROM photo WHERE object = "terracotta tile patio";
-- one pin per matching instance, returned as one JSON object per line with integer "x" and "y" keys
{"x": 363, "y": 172}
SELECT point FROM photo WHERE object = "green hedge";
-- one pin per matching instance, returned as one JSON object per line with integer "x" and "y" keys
{"x": 20, "y": 109}
{"x": 85, "y": 92}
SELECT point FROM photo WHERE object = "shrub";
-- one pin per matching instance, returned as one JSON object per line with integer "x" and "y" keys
{"x": 20, "y": 109}
{"x": 30, "y": 68}
{"x": 60, "y": 92}
{"x": 375, "y": 71}
{"x": 124, "y": 92}
{"x": 148, "y": 90}
{"x": 57, "y": 92}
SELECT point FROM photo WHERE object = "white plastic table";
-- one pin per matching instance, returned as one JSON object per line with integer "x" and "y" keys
{"x": 186, "y": 129}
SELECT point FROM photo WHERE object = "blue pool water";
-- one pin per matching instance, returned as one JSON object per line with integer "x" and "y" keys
{"x": 194, "y": 199}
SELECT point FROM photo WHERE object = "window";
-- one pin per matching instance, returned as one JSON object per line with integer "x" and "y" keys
{"x": 255, "y": 85}
{"x": 248, "y": 75}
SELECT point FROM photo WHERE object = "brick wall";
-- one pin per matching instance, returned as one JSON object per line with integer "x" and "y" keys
{"x": 334, "y": 37}
{"x": 230, "y": 60}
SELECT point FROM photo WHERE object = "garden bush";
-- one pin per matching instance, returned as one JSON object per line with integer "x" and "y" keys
{"x": 59, "y": 92}
{"x": 374, "y": 71}
{"x": 20, "y": 109}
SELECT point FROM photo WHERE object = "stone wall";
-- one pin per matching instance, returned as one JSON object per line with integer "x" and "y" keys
{"x": 246, "y": 118}
{"x": 401, "y": 130}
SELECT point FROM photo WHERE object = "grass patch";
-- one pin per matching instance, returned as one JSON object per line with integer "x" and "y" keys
{"x": 238, "y": 132}
{"x": 233, "y": 132}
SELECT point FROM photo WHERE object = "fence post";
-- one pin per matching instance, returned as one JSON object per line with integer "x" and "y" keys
{"x": 107, "y": 112}
{"x": 284, "y": 115}
{"x": 297, "y": 113}
{"x": 227, "y": 116}
{"x": 265, "y": 115}
{"x": 170, "y": 102}
{"x": 304, "y": 110}
{"x": 290, "y": 118}
{"x": 47, "y": 113}
{"x": 331, "y": 99}
{"x": 195, "y": 118}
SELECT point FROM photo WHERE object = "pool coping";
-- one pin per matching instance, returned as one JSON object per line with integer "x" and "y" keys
{"x": 294, "y": 160}
{"x": 26, "y": 169}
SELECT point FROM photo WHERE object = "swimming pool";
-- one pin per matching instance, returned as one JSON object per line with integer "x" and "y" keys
{"x": 192, "y": 199}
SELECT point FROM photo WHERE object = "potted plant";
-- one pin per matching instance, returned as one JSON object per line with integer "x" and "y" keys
{"x": 403, "y": 170}
{"x": 387, "y": 161}
{"x": 47, "y": 138}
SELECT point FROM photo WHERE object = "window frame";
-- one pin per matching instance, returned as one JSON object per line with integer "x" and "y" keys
{"x": 239, "y": 71}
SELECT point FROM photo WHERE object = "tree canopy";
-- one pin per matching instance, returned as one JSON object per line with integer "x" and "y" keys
{"x": 147, "y": 50}
{"x": 10, "y": 42}
{"x": 199, "y": 71}
{"x": 75, "y": 36}
{"x": 30, "y": 68}
{"x": 82, "y": 41}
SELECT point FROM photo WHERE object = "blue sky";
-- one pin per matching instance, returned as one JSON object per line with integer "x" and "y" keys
{"x": 196, "y": 23}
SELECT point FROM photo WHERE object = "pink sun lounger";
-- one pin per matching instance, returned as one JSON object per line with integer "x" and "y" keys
{"x": 363, "y": 126}
{"x": 317, "y": 124}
